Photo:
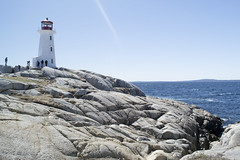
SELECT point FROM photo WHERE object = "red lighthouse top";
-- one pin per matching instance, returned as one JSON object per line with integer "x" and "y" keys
{"x": 46, "y": 24}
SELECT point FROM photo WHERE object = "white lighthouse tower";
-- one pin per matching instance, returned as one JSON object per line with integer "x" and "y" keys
{"x": 46, "y": 52}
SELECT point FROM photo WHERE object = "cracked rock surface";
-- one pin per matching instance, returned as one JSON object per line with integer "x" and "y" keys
{"x": 227, "y": 148}
{"x": 68, "y": 114}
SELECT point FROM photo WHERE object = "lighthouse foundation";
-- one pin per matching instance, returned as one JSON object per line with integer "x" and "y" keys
{"x": 42, "y": 61}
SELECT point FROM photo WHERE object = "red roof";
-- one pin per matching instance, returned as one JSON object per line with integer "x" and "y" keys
{"x": 47, "y": 21}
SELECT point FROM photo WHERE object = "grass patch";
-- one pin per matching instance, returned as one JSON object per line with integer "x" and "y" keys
{"x": 40, "y": 81}
{"x": 207, "y": 157}
{"x": 71, "y": 90}
{"x": 44, "y": 99}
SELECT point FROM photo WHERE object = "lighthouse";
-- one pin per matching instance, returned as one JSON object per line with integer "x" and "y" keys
{"x": 46, "y": 52}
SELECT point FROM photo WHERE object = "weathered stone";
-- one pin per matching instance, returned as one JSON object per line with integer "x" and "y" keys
{"x": 33, "y": 141}
{"x": 31, "y": 73}
{"x": 29, "y": 92}
{"x": 32, "y": 92}
{"x": 54, "y": 73}
{"x": 6, "y": 69}
{"x": 17, "y": 69}
{"x": 159, "y": 155}
{"x": 96, "y": 81}
{"x": 109, "y": 84}
{"x": 107, "y": 149}
{"x": 83, "y": 115}
{"x": 72, "y": 83}
{"x": 62, "y": 104}
{"x": 126, "y": 87}
{"x": 80, "y": 93}
{"x": 227, "y": 148}
{"x": 56, "y": 92}
{"x": 6, "y": 84}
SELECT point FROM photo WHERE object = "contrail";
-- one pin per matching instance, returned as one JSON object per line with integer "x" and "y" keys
{"x": 107, "y": 20}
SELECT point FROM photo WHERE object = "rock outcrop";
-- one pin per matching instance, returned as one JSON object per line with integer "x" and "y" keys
{"x": 227, "y": 148}
{"x": 68, "y": 114}
{"x": 10, "y": 69}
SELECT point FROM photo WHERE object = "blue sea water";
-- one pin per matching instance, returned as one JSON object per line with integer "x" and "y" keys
{"x": 221, "y": 98}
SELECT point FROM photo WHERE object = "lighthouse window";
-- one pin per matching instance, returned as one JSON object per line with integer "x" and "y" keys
{"x": 50, "y": 37}
{"x": 51, "y": 60}
{"x": 51, "y": 49}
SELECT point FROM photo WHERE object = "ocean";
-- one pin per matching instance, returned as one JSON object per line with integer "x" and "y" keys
{"x": 221, "y": 98}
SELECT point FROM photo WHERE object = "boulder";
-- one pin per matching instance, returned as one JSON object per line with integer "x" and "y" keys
{"x": 16, "y": 69}
{"x": 54, "y": 73}
{"x": 6, "y": 69}
{"x": 32, "y": 92}
{"x": 6, "y": 84}
{"x": 80, "y": 93}
{"x": 31, "y": 73}
{"x": 96, "y": 81}
{"x": 159, "y": 155}
{"x": 227, "y": 148}
{"x": 29, "y": 92}
{"x": 72, "y": 83}
{"x": 107, "y": 83}
{"x": 66, "y": 106}
{"x": 56, "y": 92}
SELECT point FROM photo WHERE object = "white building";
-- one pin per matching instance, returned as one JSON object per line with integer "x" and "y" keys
{"x": 46, "y": 52}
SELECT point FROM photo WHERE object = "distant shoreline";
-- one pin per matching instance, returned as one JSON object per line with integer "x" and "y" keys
{"x": 200, "y": 80}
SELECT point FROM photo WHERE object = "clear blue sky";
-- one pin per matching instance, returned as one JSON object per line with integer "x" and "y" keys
{"x": 135, "y": 40}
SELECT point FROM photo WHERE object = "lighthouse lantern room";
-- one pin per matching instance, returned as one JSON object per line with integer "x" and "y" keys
{"x": 46, "y": 52}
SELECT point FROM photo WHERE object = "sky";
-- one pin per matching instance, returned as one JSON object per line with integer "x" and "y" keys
{"x": 134, "y": 40}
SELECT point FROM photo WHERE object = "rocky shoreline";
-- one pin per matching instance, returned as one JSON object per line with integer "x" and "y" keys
{"x": 77, "y": 114}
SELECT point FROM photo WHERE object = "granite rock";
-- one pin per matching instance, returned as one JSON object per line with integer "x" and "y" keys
{"x": 227, "y": 148}
{"x": 68, "y": 114}
{"x": 6, "y": 69}
{"x": 6, "y": 84}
